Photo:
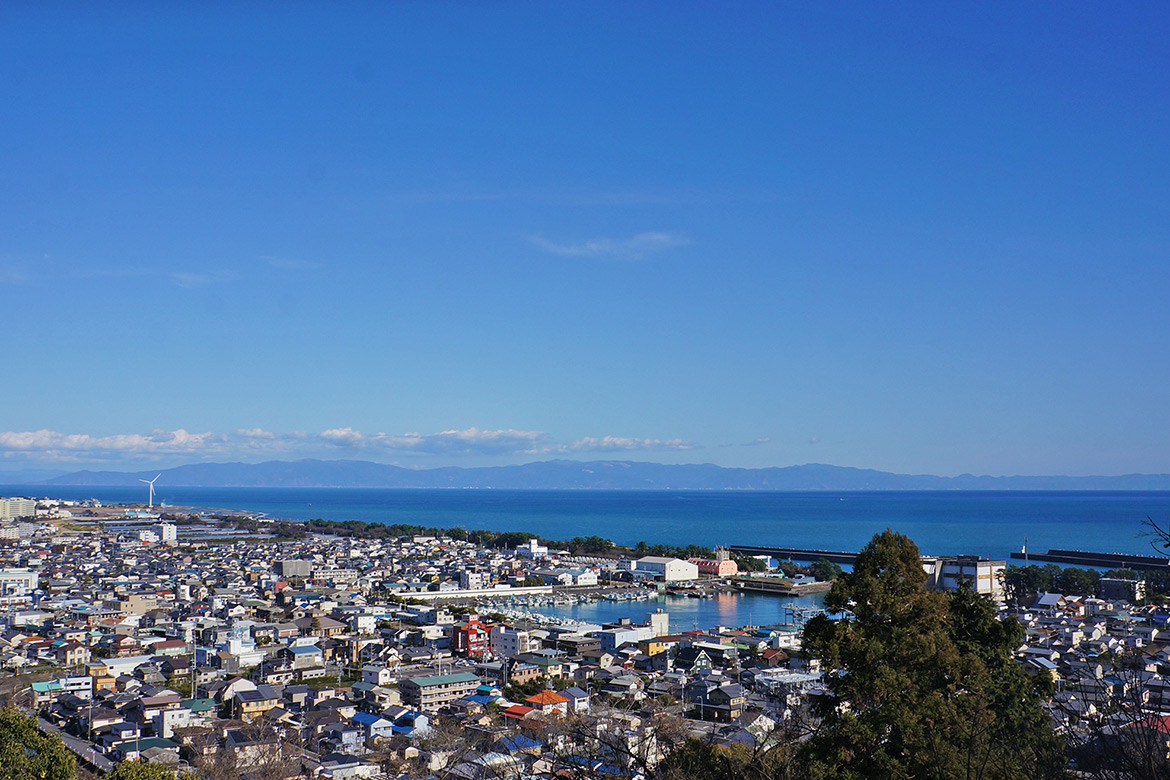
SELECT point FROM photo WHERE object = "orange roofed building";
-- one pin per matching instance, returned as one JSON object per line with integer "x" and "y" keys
{"x": 719, "y": 566}
{"x": 548, "y": 701}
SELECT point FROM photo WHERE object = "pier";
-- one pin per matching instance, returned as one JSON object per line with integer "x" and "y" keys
{"x": 792, "y": 554}
{"x": 780, "y": 586}
{"x": 1097, "y": 560}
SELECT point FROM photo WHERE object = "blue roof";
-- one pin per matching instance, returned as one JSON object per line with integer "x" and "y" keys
{"x": 367, "y": 719}
{"x": 518, "y": 742}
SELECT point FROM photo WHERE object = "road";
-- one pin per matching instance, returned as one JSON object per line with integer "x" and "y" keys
{"x": 85, "y": 751}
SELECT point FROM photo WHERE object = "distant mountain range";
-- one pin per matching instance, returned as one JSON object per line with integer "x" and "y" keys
{"x": 593, "y": 475}
{"x": 27, "y": 476}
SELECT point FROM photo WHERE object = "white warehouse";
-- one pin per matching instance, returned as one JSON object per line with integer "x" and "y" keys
{"x": 669, "y": 569}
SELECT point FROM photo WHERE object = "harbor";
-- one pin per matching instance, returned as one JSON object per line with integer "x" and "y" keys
{"x": 687, "y": 612}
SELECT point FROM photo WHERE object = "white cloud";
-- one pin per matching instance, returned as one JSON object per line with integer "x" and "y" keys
{"x": 471, "y": 441}
{"x": 343, "y": 436}
{"x": 75, "y": 446}
{"x": 255, "y": 433}
{"x": 635, "y": 248}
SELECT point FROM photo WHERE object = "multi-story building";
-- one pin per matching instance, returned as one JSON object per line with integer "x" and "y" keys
{"x": 17, "y": 585}
{"x": 435, "y": 691}
{"x": 1120, "y": 589}
{"x": 469, "y": 638}
{"x": 12, "y": 508}
{"x": 532, "y": 549}
{"x": 506, "y": 642}
{"x": 295, "y": 568}
{"x": 474, "y": 580}
{"x": 951, "y": 572}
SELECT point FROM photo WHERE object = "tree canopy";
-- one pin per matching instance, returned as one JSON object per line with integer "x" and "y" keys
{"x": 922, "y": 682}
{"x": 140, "y": 770}
{"x": 26, "y": 753}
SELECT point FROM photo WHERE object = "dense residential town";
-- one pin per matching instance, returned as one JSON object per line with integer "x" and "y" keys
{"x": 197, "y": 647}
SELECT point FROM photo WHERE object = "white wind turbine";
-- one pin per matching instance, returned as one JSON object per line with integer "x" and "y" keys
{"x": 151, "y": 483}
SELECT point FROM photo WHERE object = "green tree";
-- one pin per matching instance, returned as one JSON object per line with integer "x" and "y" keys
{"x": 140, "y": 770}
{"x": 1078, "y": 582}
{"x": 26, "y": 753}
{"x": 518, "y": 692}
{"x": 1022, "y": 583}
{"x": 825, "y": 571}
{"x": 747, "y": 563}
{"x": 922, "y": 683}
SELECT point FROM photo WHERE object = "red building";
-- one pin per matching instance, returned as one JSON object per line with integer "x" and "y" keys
{"x": 470, "y": 638}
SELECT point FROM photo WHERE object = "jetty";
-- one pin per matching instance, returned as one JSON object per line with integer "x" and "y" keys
{"x": 1097, "y": 560}
{"x": 780, "y": 586}
{"x": 793, "y": 554}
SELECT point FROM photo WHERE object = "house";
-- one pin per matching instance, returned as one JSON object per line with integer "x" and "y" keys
{"x": 602, "y": 658}
{"x": 250, "y": 705}
{"x": 342, "y": 766}
{"x": 625, "y": 686}
{"x": 121, "y": 646}
{"x": 577, "y": 698}
{"x": 169, "y": 647}
{"x": 408, "y": 722}
{"x": 377, "y": 675}
{"x": 72, "y": 653}
{"x": 303, "y": 656}
{"x": 548, "y": 701}
{"x": 321, "y": 626}
{"x": 373, "y": 726}
{"x": 548, "y": 665}
{"x": 137, "y": 748}
{"x": 250, "y": 746}
{"x": 692, "y": 660}
{"x": 723, "y": 703}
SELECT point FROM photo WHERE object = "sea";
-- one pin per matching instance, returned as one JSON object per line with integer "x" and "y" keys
{"x": 985, "y": 523}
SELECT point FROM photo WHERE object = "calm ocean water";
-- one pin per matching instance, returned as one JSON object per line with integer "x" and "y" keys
{"x": 982, "y": 523}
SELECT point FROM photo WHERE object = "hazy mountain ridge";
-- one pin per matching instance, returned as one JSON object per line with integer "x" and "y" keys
{"x": 595, "y": 475}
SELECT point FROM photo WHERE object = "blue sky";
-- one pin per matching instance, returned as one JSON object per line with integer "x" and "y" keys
{"x": 919, "y": 238}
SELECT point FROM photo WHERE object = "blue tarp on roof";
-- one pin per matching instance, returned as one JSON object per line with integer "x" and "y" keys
{"x": 518, "y": 742}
